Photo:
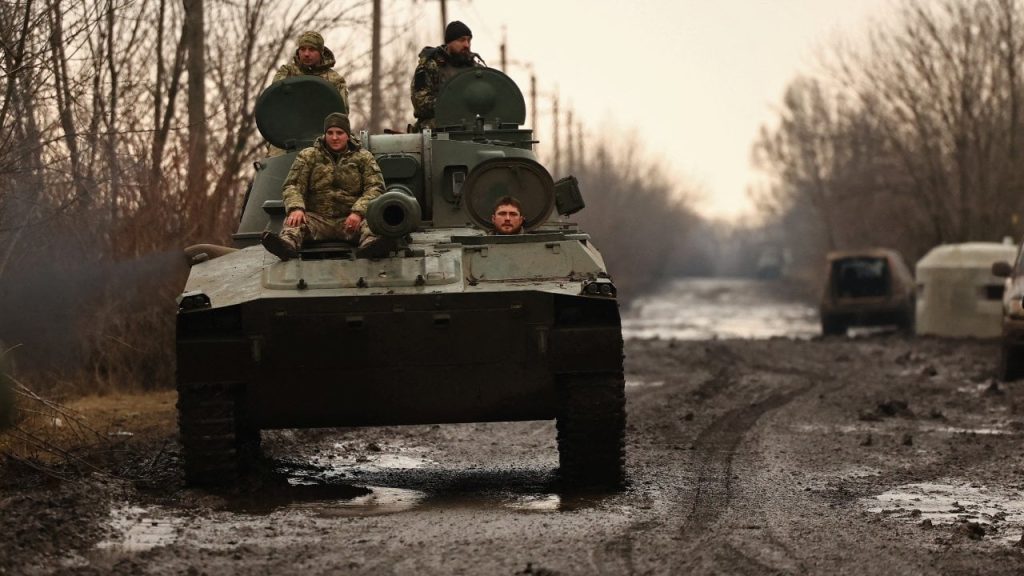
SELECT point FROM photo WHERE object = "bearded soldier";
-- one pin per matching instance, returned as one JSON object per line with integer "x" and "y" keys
{"x": 507, "y": 217}
{"x": 437, "y": 65}
{"x": 313, "y": 58}
{"x": 326, "y": 195}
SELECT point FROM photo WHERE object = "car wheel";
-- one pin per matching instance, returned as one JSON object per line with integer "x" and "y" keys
{"x": 1011, "y": 365}
{"x": 906, "y": 324}
{"x": 831, "y": 326}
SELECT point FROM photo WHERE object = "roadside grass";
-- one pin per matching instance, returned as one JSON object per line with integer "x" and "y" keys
{"x": 6, "y": 393}
{"x": 89, "y": 434}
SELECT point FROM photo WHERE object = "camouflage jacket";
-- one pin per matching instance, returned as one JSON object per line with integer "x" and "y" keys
{"x": 332, "y": 185}
{"x": 325, "y": 70}
{"x": 434, "y": 69}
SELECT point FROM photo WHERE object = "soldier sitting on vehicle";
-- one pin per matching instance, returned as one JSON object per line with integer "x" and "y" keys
{"x": 438, "y": 65}
{"x": 313, "y": 58}
{"x": 507, "y": 217}
{"x": 326, "y": 195}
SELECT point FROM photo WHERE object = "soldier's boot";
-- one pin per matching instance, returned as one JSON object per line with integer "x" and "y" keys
{"x": 283, "y": 248}
{"x": 376, "y": 247}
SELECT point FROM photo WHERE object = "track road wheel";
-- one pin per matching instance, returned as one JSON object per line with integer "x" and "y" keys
{"x": 592, "y": 430}
{"x": 218, "y": 445}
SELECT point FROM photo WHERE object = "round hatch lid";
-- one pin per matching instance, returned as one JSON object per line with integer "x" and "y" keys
{"x": 523, "y": 179}
{"x": 479, "y": 91}
{"x": 290, "y": 112}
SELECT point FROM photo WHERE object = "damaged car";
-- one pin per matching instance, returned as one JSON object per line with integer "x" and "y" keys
{"x": 871, "y": 287}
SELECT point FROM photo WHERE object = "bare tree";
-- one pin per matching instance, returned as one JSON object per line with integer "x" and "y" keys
{"x": 916, "y": 139}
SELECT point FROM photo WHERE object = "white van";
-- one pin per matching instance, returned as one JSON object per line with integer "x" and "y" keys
{"x": 957, "y": 294}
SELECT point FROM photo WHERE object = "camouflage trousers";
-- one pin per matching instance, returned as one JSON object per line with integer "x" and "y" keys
{"x": 317, "y": 228}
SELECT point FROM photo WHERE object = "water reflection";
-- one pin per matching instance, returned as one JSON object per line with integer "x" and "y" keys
{"x": 1001, "y": 510}
{"x": 706, "y": 308}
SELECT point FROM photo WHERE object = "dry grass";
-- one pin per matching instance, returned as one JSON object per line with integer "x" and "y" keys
{"x": 61, "y": 439}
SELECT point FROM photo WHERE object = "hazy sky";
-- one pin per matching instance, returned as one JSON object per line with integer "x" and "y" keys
{"x": 695, "y": 79}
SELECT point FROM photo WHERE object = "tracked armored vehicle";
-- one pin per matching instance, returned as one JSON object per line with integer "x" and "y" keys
{"x": 455, "y": 325}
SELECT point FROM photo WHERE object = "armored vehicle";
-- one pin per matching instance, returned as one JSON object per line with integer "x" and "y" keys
{"x": 456, "y": 325}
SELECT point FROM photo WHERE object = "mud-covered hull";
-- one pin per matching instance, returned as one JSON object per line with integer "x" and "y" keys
{"x": 361, "y": 361}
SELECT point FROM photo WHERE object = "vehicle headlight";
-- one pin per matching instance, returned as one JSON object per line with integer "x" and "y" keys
{"x": 193, "y": 301}
{"x": 601, "y": 287}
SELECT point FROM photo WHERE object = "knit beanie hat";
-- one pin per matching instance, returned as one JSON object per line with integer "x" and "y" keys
{"x": 456, "y": 30}
{"x": 337, "y": 120}
{"x": 313, "y": 39}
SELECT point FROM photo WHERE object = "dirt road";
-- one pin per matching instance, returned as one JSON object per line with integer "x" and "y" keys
{"x": 875, "y": 455}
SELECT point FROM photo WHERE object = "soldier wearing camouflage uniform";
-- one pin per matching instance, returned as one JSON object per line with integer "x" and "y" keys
{"x": 312, "y": 57}
{"x": 438, "y": 65}
{"x": 326, "y": 195}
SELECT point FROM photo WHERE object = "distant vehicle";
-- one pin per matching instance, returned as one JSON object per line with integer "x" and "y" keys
{"x": 1011, "y": 352}
{"x": 871, "y": 287}
{"x": 456, "y": 325}
{"x": 957, "y": 293}
{"x": 770, "y": 263}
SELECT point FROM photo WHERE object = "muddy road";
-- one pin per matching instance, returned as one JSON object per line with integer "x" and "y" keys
{"x": 876, "y": 454}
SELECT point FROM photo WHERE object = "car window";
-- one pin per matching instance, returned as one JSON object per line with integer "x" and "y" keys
{"x": 861, "y": 277}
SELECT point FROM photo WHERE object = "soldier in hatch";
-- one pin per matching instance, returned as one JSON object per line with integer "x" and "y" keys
{"x": 437, "y": 65}
{"x": 326, "y": 195}
{"x": 508, "y": 216}
{"x": 313, "y": 58}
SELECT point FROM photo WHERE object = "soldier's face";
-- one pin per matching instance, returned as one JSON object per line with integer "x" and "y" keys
{"x": 309, "y": 56}
{"x": 507, "y": 219}
{"x": 460, "y": 46}
{"x": 336, "y": 138}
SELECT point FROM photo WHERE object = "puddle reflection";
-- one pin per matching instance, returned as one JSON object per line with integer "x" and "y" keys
{"x": 322, "y": 490}
{"x": 706, "y": 308}
{"x": 953, "y": 503}
{"x": 135, "y": 529}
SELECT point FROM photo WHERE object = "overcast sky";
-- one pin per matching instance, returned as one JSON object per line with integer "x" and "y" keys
{"x": 695, "y": 79}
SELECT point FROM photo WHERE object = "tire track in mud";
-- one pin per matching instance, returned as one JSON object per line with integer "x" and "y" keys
{"x": 716, "y": 446}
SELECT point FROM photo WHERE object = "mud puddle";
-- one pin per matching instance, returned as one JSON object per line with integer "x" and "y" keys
{"x": 295, "y": 499}
{"x": 887, "y": 428}
{"x": 981, "y": 512}
{"x": 708, "y": 308}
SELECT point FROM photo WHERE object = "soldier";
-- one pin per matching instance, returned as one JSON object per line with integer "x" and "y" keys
{"x": 326, "y": 194}
{"x": 312, "y": 57}
{"x": 508, "y": 216}
{"x": 437, "y": 65}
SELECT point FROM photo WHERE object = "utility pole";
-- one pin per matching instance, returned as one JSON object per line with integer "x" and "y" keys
{"x": 555, "y": 144}
{"x": 570, "y": 144}
{"x": 196, "y": 64}
{"x": 504, "y": 59}
{"x": 533, "y": 104}
{"x": 375, "y": 107}
{"x": 580, "y": 158}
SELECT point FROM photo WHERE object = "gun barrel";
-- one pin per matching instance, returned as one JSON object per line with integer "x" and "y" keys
{"x": 394, "y": 214}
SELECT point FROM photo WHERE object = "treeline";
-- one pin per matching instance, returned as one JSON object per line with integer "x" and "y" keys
{"x": 910, "y": 140}
{"x": 640, "y": 218}
{"x": 127, "y": 133}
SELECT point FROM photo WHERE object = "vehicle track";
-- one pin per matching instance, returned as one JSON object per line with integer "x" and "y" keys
{"x": 716, "y": 447}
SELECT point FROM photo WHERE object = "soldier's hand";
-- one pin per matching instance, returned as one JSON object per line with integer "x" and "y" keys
{"x": 352, "y": 223}
{"x": 295, "y": 218}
